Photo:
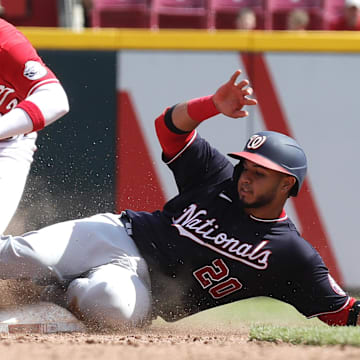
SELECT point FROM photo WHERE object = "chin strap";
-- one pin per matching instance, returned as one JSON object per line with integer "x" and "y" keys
{"x": 354, "y": 314}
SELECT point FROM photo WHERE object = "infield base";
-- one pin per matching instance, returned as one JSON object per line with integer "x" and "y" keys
{"x": 42, "y": 318}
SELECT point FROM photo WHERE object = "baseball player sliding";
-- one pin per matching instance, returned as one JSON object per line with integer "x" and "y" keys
{"x": 223, "y": 238}
{"x": 31, "y": 98}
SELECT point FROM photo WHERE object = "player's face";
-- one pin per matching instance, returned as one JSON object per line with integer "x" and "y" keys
{"x": 259, "y": 186}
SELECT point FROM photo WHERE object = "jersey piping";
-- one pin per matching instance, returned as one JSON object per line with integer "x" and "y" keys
{"x": 331, "y": 312}
{"x": 47, "y": 81}
{"x": 282, "y": 218}
{"x": 183, "y": 149}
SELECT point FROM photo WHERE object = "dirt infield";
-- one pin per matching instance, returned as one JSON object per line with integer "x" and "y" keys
{"x": 157, "y": 343}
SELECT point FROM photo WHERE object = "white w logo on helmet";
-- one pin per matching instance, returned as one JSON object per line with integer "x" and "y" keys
{"x": 256, "y": 141}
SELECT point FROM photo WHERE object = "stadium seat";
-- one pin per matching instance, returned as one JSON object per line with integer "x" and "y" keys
{"x": 31, "y": 12}
{"x": 279, "y": 9}
{"x": 223, "y": 13}
{"x": 179, "y": 14}
{"x": 15, "y": 8}
{"x": 333, "y": 9}
{"x": 120, "y": 13}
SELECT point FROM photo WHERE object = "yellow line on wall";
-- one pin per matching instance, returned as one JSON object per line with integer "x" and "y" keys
{"x": 200, "y": 40}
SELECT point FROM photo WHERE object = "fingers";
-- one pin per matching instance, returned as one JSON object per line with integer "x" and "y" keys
{"x": 240, "y": 114}
{"x": 244, "y": 96}
{"x": 235, "y": 76}
{"x": 242, "y": 84}
{"x": 242, "y": 92}
{"x": 248, "y": 101}
{"x": 249, "y": 91}
{"x": 244, "y": 88}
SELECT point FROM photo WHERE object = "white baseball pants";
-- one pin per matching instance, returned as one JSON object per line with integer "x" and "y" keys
{"x": 109, "y": 280}
{"x": 16, "y": 157}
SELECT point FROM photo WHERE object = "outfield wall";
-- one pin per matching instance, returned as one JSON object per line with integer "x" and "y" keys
{"x": 104, "y": 156}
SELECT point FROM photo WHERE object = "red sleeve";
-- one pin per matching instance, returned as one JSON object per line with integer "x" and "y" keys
{"x": 171, "y": 142}
{"x": 340, "y": 317}
{"x": 25, "y": 70}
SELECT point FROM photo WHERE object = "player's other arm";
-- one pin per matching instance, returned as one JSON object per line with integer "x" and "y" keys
{"x": 45, "y": 105}
{"x": 176, "y": 126}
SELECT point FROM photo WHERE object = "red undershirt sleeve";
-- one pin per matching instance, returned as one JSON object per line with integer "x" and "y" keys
{"x": 171, "y": 139}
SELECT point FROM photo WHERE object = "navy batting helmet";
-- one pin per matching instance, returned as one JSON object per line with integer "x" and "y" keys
{"x": 277, "y": 152}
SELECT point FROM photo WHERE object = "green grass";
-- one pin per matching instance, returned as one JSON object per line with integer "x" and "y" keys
{"x": 271, "y": 320}
{"x": 246, "y": 312}
{"x": 309, "y": 335}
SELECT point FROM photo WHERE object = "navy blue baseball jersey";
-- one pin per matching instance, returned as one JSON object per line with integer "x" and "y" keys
{"x": 203, "y": 250}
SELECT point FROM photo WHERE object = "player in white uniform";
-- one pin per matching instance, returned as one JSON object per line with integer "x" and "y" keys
{"x": 31, "y": 97}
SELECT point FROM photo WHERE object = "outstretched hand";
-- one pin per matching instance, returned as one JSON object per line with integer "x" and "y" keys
{"x": 231, "y": 97}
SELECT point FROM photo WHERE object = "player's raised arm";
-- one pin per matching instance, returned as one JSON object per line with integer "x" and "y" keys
{"x": 175, "y": 126}
{"x": 229, "y": 99}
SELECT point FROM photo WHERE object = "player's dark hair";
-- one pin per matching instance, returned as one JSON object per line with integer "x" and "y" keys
{"x": 238, "y": 168}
